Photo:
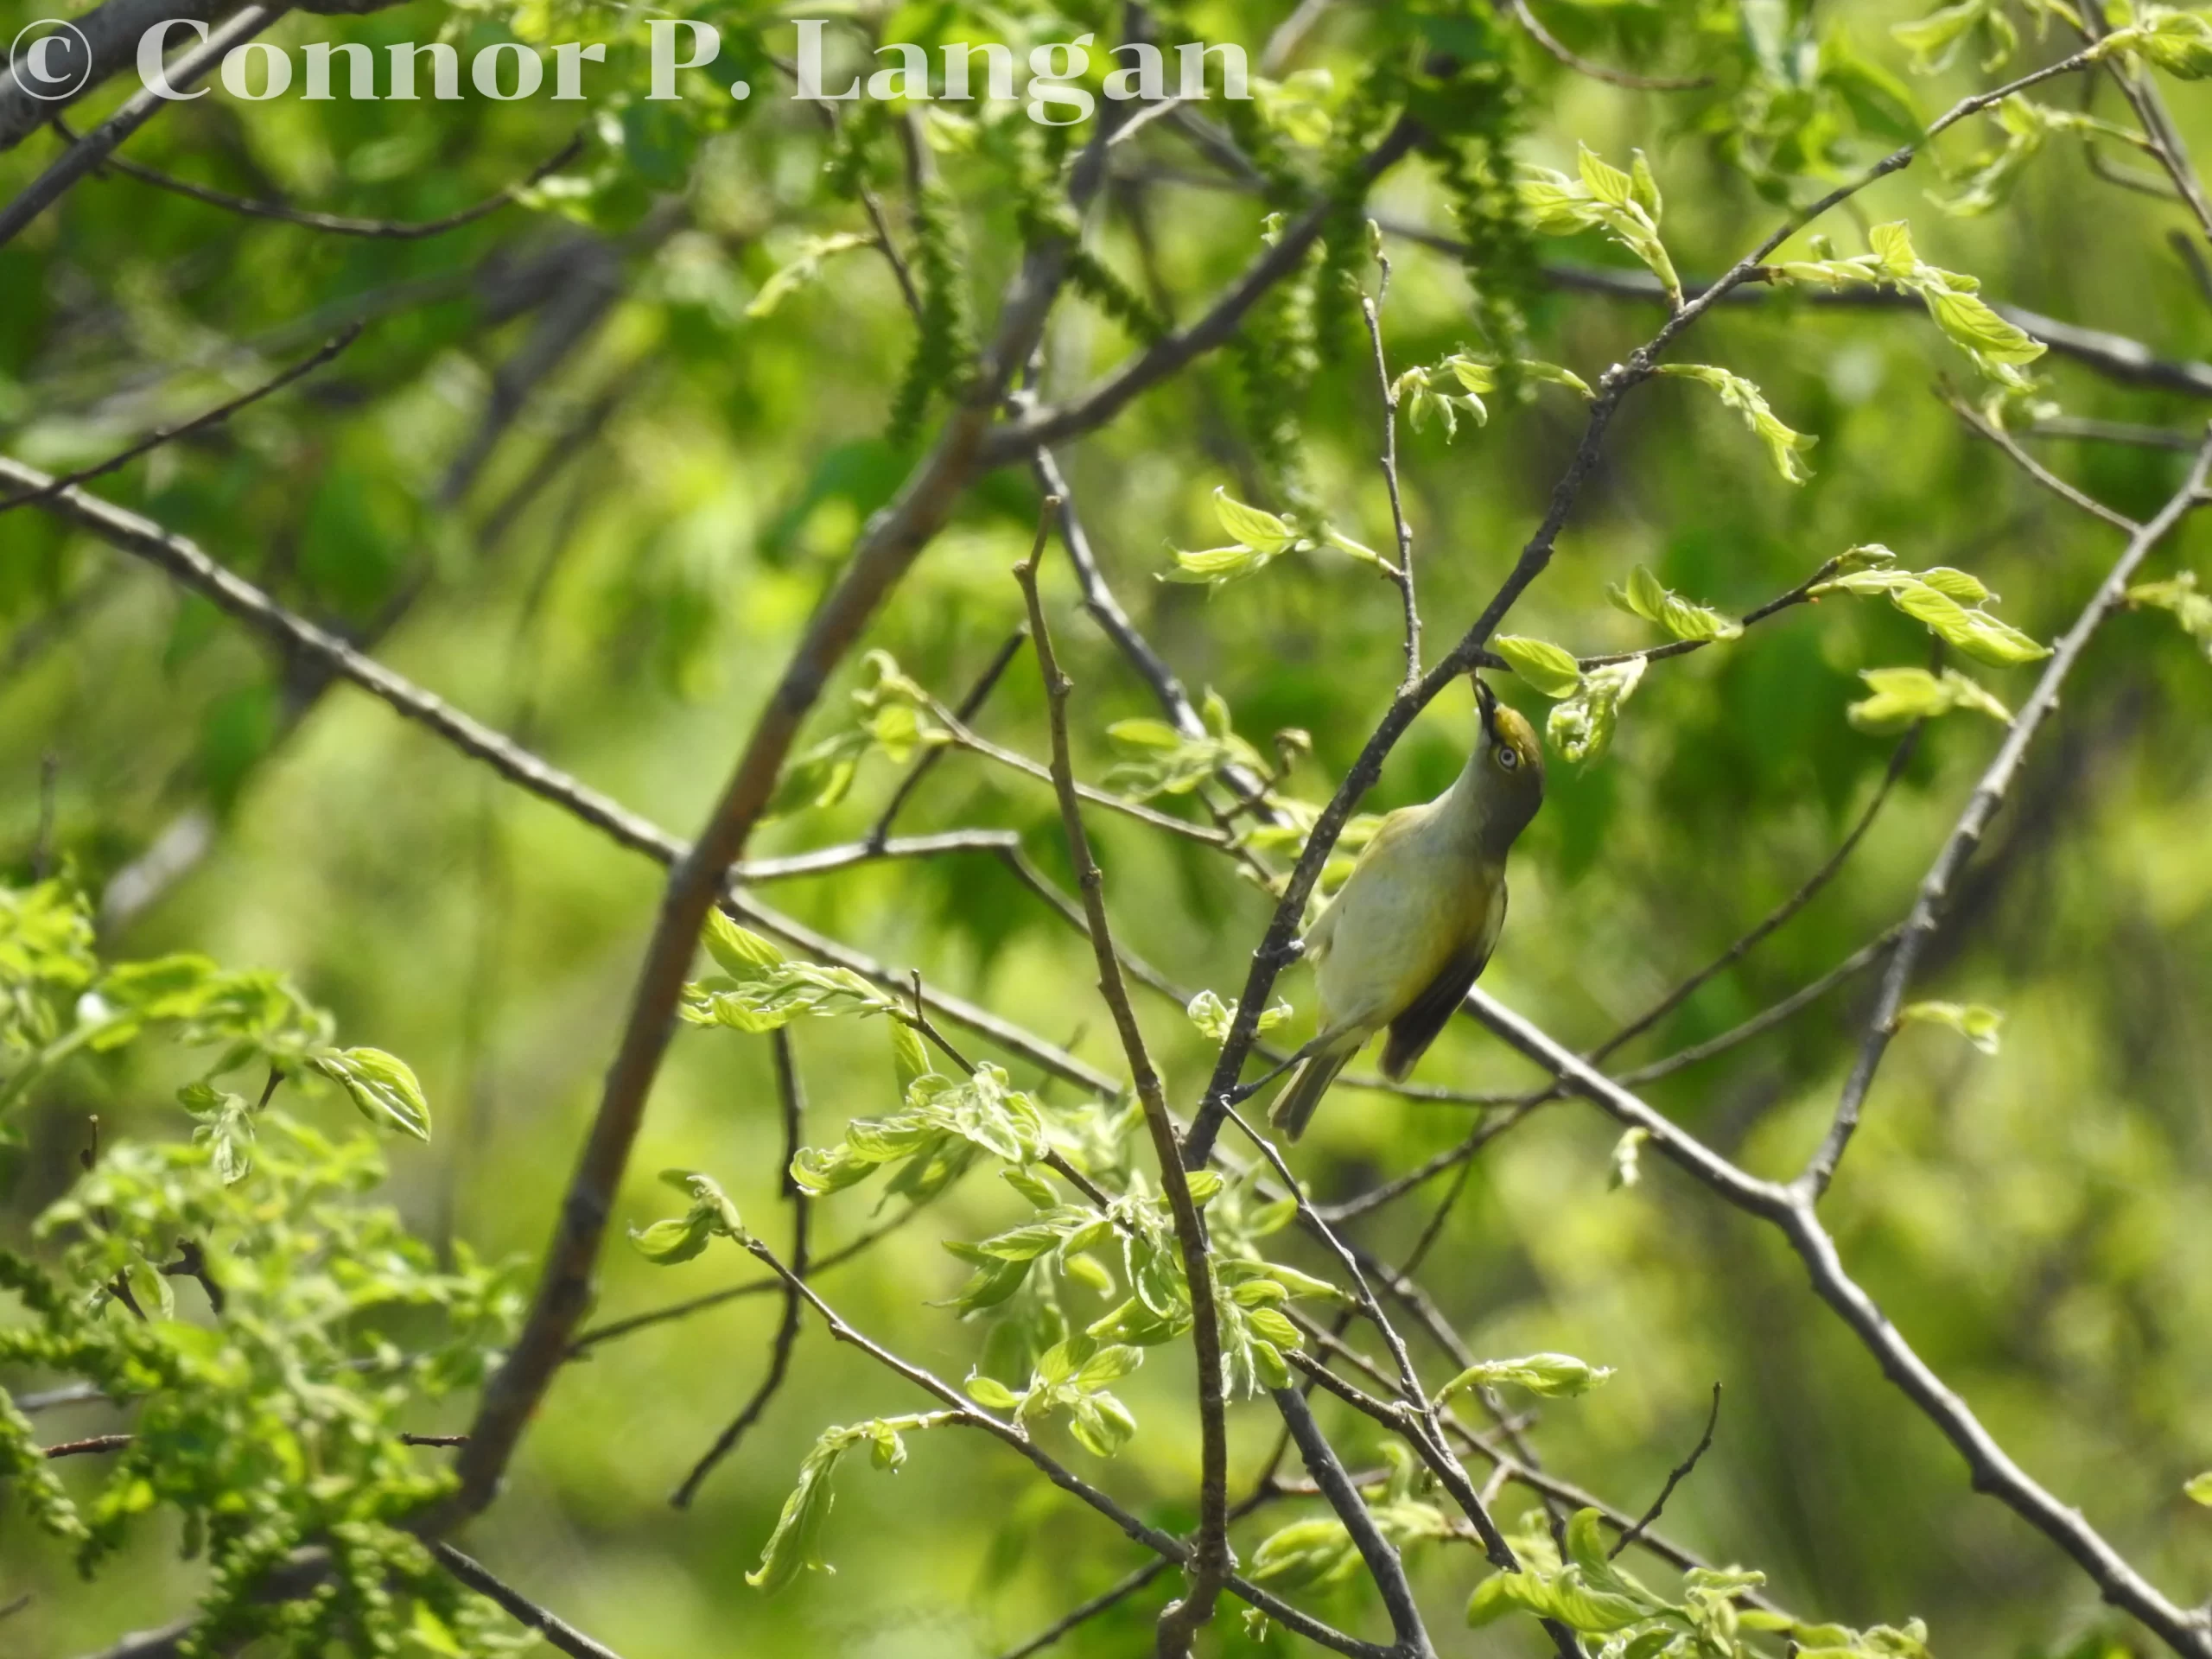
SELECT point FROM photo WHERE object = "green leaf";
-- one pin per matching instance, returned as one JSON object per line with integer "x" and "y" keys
{"x": 1644, "y": 189}
{"x": 796, "y": 1544}
{"x": 1213, "y": 566}
{"x": 1627, "y": 1161}
{"x": 2179, "y": 596}
{"x": 1978, "y": 1025}
{"x": 1960, "y": 585}
{"x": 1606, "y": 182}
{"x": 1784, "y": 447}
{"x": 1974, "y": 631}
{"x": 1213, "y": 1017}
{"x": 1645, "y": 596}
{"x": 2179, "y": 42}
{"x": 1305, "y": 1555}
{"x": 382, "y": 1087}
{"x": 1032, "y": 1187}
{"x": 740, "y": 953}
{"x": 910, "y": 1055}
{"x": 1258, "y": 530}
{"x": 678, "y": 1239}
{"x": 1934, "y": 40}
{"x": 989, "y": 1393}
{"x": 1552, "y": 1375}
{"x": 1581, "y": 728}
{"x": 2200, "y": 1489}
{"x": 1979, "y": 634}
{"x": 225, "y": 1126}
{"x": 802, "y": 270}
{"x": 1544, "y": 665}
{"x": 1902, "y": 696}
{"x": 1101, "y": 1423}
{"x": 1977, "y": 330}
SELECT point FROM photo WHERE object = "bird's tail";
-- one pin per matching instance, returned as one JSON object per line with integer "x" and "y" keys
{"x": 1294, "y": 1108}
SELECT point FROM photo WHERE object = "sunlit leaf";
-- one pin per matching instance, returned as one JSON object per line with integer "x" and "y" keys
{"x": 1978, "y": 1025}
{"x": 1543, "y": 664}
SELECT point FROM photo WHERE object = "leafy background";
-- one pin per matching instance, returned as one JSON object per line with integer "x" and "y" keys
{"x": 565, "y": 479}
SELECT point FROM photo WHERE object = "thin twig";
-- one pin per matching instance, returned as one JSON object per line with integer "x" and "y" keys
{"x": 1675, "y": 1476}
{"x": 2116, "y": 357}
{"x": 1210, "y": 1557}
{"x": 1015, "y": 761}
{"x": 557, "y": 1631}
{"x": 139, "y": 108}
{"x": 634, "y": 1322}
{"x": 1371, "y": 307}
{"x": 2122, "y": 432}
{"x": 791, "y": 1094}
{"x": 1519, "y": 11}
{"x": 89, "y": 1446}
{"x": 161, "y": 434}
{"x": 1900, "y": 757}
{"x": 968, "y": 707}
{"x": 383, "y": 230}
{"x": 2035, "y": 469}
{"x": 825, "y": 860}
{"x": 1993, "y": 1470}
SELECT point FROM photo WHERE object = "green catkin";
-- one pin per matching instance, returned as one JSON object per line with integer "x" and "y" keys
{"x": 944, "y": 346}
{"x": 1102, "y": 285}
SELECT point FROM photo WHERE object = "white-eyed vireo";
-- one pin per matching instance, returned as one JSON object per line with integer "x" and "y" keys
{"x": 1416, "y": 920}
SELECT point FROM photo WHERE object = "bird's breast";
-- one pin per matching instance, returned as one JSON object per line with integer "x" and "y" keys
{"x": 1400, "y": 919}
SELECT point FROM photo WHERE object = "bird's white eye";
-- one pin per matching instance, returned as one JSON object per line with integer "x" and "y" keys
{"x": 1507, "y": 757}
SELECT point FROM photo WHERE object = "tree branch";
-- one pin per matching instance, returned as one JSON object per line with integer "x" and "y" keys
{"x": 138, "y": 109}
{"x": 161, "y": 434}
{"x": 1382, "y": 1563}
{"x": 557, "y": 1632}
{"x": 1982, "y": 807}
{"x": 1211, "y": 1560}
{"x": 380, "y": 229}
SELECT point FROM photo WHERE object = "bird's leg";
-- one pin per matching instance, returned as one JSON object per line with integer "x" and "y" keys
{"x": 1244, "y": 1091}
{"x": 1291, "y": 951}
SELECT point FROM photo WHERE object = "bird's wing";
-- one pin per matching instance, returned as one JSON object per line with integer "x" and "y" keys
{"x": 1414, "y": 1029}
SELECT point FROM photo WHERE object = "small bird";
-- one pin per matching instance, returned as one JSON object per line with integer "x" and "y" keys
{"x": 1414, "y": 924}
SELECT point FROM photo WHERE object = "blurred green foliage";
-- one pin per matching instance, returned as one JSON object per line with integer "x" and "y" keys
{"x": 595, "y": 458}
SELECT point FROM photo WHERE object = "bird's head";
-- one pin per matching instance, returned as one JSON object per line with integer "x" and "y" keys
{"x": 1508, "y": 768}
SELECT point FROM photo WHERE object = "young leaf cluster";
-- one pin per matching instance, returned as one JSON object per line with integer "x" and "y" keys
{"x": 1999, "y": 349}
{"x": 1905, "y": 696}
{"x": 1627, "y": 206}
{"x": 1317, "y": 1553}
{"x": 760, "y": 989}
{"x": 1949, "y": 602}
{"x": 271, "y": 1421}
{"x": 58, "y": 999}
{"x": 1260, "y": 538}
{"x": 2179, "y": 596}
{"x": 896, "y": 721}
{"x": 796, "y": 1544}
{"x": 1596, "y": 1598}
{"x": 1420, "y": 391}
{"x": 1160, "y": 759}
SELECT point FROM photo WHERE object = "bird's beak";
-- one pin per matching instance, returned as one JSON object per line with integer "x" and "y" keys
{"x": 1486, "y": 706}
